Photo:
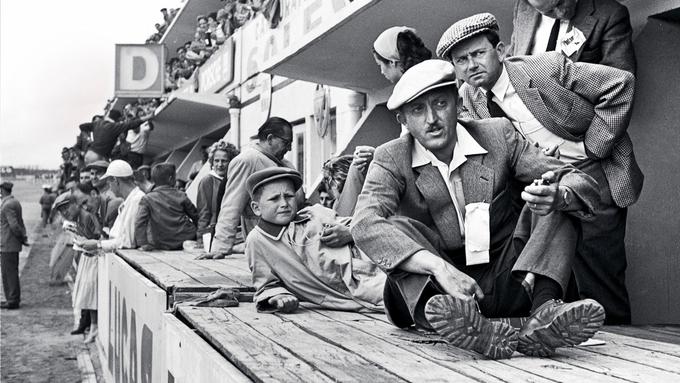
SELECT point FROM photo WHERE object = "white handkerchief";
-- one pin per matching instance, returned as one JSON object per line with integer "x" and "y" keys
{"x": 477, "y": 236}
{"x": 207, "y": 241}
{"x": 572, "y": 41}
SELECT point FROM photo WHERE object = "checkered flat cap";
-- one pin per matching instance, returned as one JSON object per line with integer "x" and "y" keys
{"x": 464, "y": 29}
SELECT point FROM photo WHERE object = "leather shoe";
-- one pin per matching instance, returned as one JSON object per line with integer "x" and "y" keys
{"x": 9, "y": 305}
{"x": 558, "y": 324}
{"x": 462, "y": 325}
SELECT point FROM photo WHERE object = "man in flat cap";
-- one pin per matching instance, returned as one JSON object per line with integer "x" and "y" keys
{"x": 592, "y": 31}
{"x": 578, "y": 112}
{"x": 12, "y": 238}
{"x": 108, "y": 203}
{"x": 435, "y": 214}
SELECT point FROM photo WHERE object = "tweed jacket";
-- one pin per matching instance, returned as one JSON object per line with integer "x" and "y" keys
{"x": 578, "y": 102}
{"x": 12, "y": 230}
{"x": 604, "y": 23}
{"x": 394, "y": 188}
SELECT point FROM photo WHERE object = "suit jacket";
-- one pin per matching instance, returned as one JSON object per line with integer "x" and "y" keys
{"x": 394, "y": 188}
{"x": 604, "y": 23}
{"x": 578, "y": 102}
{"x": 12, "y": 230}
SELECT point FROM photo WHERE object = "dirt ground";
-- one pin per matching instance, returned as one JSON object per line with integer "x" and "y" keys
{"x": 35, "y": 342}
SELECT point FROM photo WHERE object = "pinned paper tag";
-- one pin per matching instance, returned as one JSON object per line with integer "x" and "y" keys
{"x": 207, "y": 241}
{"x": 477, "y": 234}
{"x": 572, "y": 41}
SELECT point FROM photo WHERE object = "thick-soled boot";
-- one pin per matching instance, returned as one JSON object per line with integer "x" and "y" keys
{"x": 558, "y": 324}
{"x": 462, "y": 325}
{"x": 83, "y": 324}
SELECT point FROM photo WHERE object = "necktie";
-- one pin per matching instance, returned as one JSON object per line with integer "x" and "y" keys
{"x": 494, "y": 109}
{"x": 552, "y": 40}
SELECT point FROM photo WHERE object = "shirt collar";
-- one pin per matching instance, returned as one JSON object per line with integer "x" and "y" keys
{"x": 466, "y": 145}
{"x": 271, "y": 229}
{"x": 500, "y": 88}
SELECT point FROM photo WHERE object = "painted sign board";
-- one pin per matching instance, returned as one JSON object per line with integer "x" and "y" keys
{"x": 218, "y": 71}
{"x": 140, "y": 70}
{"x": 132, "y": 338}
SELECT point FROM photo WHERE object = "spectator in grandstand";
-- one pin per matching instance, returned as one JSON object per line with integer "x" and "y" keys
{"x": 138, "y": 138}
{"x": 106, "y": 132}
{"x": 46, "y": 201}
{"x": 166, "y": 212}
{"x": 290, "y": 262}
{"x": 396, "y": 50}
{"x": 142, "y": 176}
{"x": 122, "y": 234}
{"x": 219, "y": 156}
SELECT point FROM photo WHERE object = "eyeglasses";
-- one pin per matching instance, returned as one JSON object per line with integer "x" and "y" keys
{"x": 286, "y": 141}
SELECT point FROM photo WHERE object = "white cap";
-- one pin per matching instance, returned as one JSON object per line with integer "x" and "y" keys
{"x": 386, "y": 43}
{"x": 421, "y": 78}
{"x": 118, "y": 169}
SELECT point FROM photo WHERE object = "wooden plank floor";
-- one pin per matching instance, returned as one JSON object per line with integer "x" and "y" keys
{"x": 314, "y": 345}
{"x": 180, "y": 271}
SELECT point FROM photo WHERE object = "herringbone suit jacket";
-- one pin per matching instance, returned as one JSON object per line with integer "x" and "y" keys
{"x": 578, "y": 102}
{"x": 604, "y": 23}
{"x": 393, "y": 187}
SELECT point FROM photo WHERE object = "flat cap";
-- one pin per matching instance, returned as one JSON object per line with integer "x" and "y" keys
{"x": 144, "y": 167}
{"x": 7, "y": 186}
{"x": 101, "y": 164}
{"x": 421, "y": 78}
{"x": 464, "y": 29}
{"x": 62, "y": 200}
{"x": 265, "y": 176}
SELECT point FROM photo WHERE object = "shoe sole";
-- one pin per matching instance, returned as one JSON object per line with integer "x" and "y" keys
{"x": 572, "y": 327}
{"x": 463, "y": 326}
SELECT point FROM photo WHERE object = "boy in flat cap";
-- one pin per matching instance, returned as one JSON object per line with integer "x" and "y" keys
{"x": 435, "y": 215}
{"x": 578, "y": 112}
{"x": 290, "y": 262}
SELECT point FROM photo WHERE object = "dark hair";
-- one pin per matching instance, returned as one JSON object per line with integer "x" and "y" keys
{"x": 411, "y": 49}
{"x": 275, "y": 126}
{"x": 335, "y": 171}
{"x": 493, "y": 37}
{"x": 115, "y": 115}
{"x": 85, "y": 187}
{"x": 163, "y": 173}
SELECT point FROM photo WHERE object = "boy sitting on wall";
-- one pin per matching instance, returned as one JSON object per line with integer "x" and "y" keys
{"x": 167, "y": 213}
{"x": 289, "y": 261}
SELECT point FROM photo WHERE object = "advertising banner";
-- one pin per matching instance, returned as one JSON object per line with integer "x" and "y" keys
{"x": 131, "y": 333}
{"x": 140, "y": 70}
{"x": 218, "y": 71}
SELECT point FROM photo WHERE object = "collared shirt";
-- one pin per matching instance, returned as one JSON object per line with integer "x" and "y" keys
{"x": 542, "y": 34}
{"x": 528, "y": 126}
{"x": 465, "y": 146}
{"x": 138, "y": 140}
{"x": 122, "y": 234}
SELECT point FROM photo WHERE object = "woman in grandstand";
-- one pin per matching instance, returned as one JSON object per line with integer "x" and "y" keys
{"x": 396, "y": 50}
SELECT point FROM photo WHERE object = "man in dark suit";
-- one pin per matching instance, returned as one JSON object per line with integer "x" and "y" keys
{"x": 577, "y": 111}
{"x": 435, "y": 214}
{"x": 592, "y": 31}
{"x": 13, "y": 236}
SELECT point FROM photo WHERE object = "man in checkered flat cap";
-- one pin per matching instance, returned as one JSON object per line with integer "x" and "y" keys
{"x": 577, "y": 112}
{"x": 435, "y": 214}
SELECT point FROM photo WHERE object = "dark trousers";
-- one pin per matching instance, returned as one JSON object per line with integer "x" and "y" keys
{"x": 600, "y": 263}
{"x": 541, "y": 245}
{"x": 9, "y": 265}
{"x": 45, "y": 215}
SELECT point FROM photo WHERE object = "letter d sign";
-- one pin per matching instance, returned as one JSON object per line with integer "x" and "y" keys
{"x": 139, "y": 70}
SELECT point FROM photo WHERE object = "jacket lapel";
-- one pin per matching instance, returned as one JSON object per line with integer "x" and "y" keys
{"x": 531, "y": 98}
{"x": 526, "y": 24}
{"x": 431, "y": 186}
{"x": 585, "y": 22}
{"x": 477, "y": 180}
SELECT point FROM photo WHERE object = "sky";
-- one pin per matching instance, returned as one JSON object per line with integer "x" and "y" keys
{"x": 57, "y": 69}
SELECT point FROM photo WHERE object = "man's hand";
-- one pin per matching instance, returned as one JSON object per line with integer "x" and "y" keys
{"x": 146, "y": 247}
{"x": 336, "y": 235}
{"x": 284, "y": 303}
{"x": 552, "y": 151}
{"x": 363, "y": 155}
{"x": 541, "y": 195}
{"x": 87, "y": 244}
{"x": 456, "y": 283}
{"x": 213, "y": 255}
